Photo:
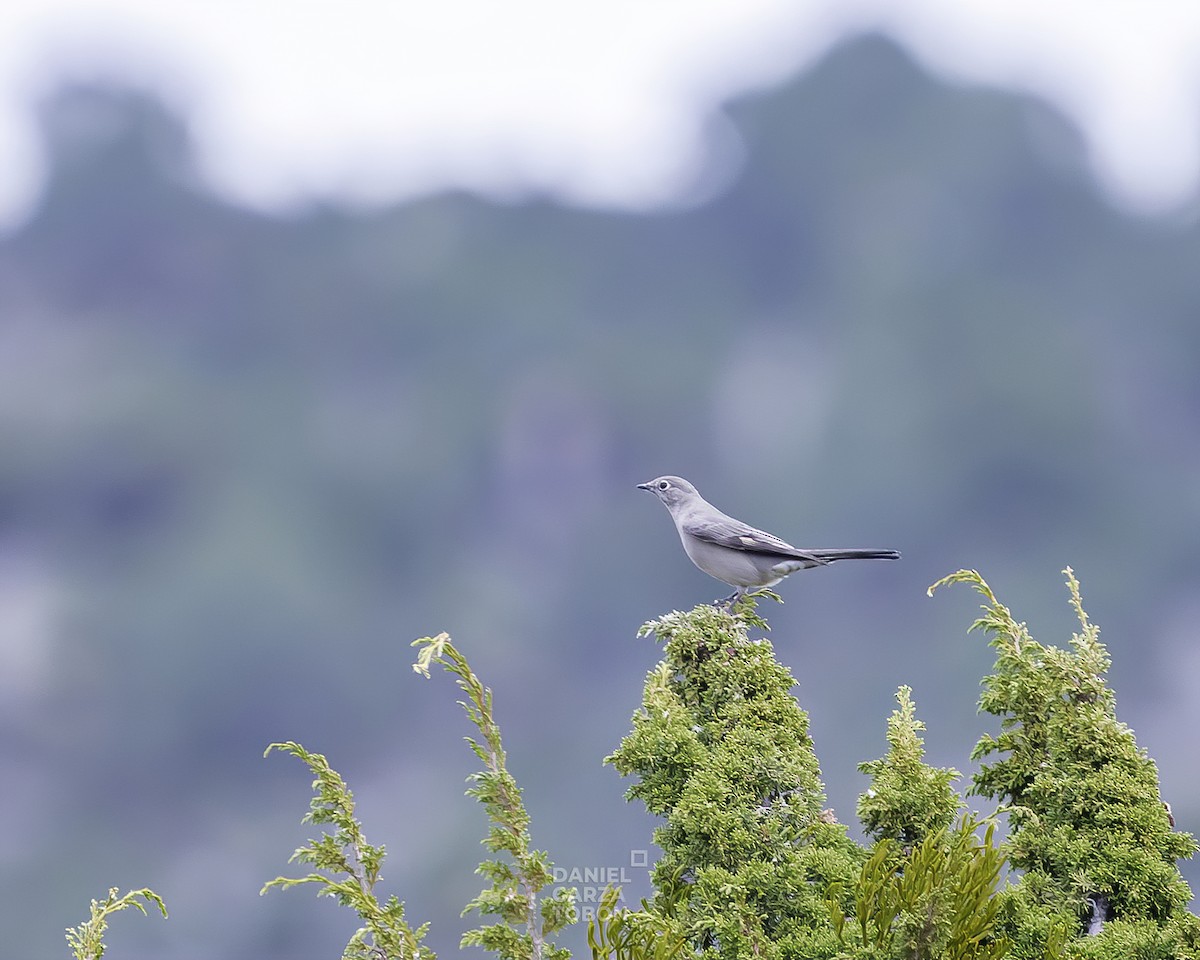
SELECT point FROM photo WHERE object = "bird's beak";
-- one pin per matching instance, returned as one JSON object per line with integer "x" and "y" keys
{"x": 643, "y": 486}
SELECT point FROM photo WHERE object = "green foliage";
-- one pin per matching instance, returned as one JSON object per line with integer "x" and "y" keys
{"x": 87, "y": 939}
{"x": 351, "y": 869}
{"x": 1141, "y": 940}
{"x": 1087, "y": 823}
{"x": 527, "y": 920}
{"x": 721, "y": 751}
{"x": 620, "y": 934}
{"x": 754, "y": 867}
{"x": 907, "y": 799}
{"x": 351, "y": 866}
{"x": 937, "y": 899}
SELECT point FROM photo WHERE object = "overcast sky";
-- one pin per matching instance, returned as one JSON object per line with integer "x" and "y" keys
{"x": 601, "y": 103}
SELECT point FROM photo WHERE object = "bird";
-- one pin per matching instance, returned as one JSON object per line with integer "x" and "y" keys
{"x": 736, "y": 553}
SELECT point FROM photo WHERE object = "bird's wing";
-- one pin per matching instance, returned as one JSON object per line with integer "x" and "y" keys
{"x": 727, "y": 532}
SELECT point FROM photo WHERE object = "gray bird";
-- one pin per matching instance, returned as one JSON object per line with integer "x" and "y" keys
{"x": 740, "y": 555}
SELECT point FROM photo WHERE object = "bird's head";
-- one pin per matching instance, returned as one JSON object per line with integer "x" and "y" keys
{"x": 672, "y": 491}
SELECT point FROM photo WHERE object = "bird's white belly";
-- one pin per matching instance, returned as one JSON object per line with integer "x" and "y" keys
{"x": 735, "y": 567}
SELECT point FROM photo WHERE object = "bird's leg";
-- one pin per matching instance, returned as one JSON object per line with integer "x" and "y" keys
{"x": 745, "y": 604}
{"x": 728, "y": 601}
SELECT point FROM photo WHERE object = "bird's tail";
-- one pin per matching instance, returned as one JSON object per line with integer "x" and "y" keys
{"x": 828, "y": 556}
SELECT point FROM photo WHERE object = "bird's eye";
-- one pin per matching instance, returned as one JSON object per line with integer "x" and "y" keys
{"x": 663, "y": 485}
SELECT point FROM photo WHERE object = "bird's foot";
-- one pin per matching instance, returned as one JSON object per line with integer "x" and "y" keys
{"x": 744, "y": 605}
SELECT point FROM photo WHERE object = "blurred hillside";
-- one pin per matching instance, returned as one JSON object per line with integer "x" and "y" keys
{"x": 246, "y": 460}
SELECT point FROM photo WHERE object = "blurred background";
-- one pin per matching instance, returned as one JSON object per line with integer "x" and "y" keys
{"x": 319, "y": 334}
